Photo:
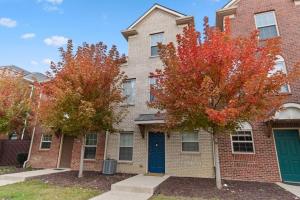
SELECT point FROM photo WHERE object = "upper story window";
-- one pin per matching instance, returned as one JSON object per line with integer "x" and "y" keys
{"x": 155, "y": 39}
{"x": 190, "y": 142}
{"x": 90, "y": 146}
{"x": 153, "y": 82}
{"x": 281, "y": 67}
{"x": 242, "y": 140}
{"x": 267, "y": 25}
{"x": 129, "y": 91}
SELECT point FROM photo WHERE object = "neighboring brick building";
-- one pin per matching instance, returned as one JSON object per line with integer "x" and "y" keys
{"x": 273, "y": 18}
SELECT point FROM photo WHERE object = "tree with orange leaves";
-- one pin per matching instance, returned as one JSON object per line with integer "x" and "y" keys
{"x": 218, "y": 82}
{"x": 84, "y": 93}
{"x": 16, "y": 104}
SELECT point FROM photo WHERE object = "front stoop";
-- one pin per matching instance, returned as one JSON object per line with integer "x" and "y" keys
{"x": 140, "y": 187}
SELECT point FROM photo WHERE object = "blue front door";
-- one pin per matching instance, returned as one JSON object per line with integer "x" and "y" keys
{"x": 156, "y": 157}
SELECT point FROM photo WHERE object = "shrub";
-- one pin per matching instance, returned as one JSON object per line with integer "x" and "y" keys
{"x": 21, "y": 158}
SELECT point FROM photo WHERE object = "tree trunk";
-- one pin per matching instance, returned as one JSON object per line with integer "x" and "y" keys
{"x": 80, "y": 173}
{"x": 217, "y": 162}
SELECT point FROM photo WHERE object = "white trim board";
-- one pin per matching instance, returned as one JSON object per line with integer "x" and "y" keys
{"x": 156, "y": 6}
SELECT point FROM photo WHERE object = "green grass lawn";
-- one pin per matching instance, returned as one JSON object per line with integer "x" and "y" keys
{"x": 37, "y": 190}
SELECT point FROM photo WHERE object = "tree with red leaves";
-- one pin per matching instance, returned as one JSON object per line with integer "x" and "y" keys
{"x": 218, "y": 82}
{"x": 16, "y": 104}
{"x": 84, "y": 92}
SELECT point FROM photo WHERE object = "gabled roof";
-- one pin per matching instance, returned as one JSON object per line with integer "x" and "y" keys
{"x": 16, "y": 69}
{"x": 230, "y": 3}
{"x": 36, "y": 76}
{"x": 156, "y": 6}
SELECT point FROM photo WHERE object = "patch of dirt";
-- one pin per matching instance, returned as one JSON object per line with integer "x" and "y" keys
{"x": 233, "y": 190}
{"x": 93, "y": 180}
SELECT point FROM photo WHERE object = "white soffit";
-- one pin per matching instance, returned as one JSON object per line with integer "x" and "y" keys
{"x": 156, "y": 6}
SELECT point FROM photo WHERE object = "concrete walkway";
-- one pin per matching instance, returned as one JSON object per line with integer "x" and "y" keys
{"x": 7, "y": 179}
{"x": 291, "y": 188}
{"x": 140, "y": 187}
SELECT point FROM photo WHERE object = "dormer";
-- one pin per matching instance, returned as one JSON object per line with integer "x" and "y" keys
{"x": 229, "y": 10}
{"x": 181, "y": 19}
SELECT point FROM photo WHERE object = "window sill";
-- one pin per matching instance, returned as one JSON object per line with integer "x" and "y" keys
{"x": 154, "y": 56}
{"x": 89, "y": 160}
{"x": 44, "y": 149}
{"x": 243, "y": 153}
{"x": 125, "y": 162}
{"x": 190, "y": 152}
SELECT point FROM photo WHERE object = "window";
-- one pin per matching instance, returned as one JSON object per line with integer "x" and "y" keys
{"x": 281, "y": 67}
{"x": 129, "y": 91}
{"x": 242, "y": 140}
{"x": 46, "y": 141}
{"x": 90, "y": 146}
{"x": 155, "y": 39}
{"x": 190, "y": 142}
{"x": 126, "y": 146}
{"x": 152, "y": 81}
{"x": 267, "y": 25}
{"x": 13, "y": 136}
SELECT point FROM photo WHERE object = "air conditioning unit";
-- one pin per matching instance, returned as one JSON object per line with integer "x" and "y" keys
{"x": 109, "y": 167}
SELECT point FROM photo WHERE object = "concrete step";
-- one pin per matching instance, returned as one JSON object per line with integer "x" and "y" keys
{"x": 115, "y": 195}
{"x": 139, "y": 184}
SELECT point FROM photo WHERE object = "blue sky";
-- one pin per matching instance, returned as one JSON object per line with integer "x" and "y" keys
{"x": 31, "y": 31}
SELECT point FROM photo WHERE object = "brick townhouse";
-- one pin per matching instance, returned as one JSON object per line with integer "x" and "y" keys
{"x": 261, "y": 151}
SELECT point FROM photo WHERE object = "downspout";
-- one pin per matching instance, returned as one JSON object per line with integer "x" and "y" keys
{"x": 32, "y": 137}
{"x": 25, "y": 122}
{"x": 105, "y": 147}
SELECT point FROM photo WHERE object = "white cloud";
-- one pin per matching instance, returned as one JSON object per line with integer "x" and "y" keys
{"x": 33, "y": 62}
{"x": 28, "y": 36}
{"x": 56, "y": 2}
{"x": 7, "y": 22}
{"x": 56, "y": 40}
{"x": 47, "y": 61}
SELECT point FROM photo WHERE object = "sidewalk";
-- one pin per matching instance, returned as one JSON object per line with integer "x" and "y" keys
{"x": 7, "y": 179}
{"x": 291, "y": 188}
{"x": 140, "y": 187}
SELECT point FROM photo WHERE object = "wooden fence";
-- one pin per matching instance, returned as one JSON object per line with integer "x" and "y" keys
{"x": 9, "y": 149}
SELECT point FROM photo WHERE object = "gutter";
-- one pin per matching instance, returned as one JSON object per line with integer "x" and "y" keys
{"x": 105, "y": 147}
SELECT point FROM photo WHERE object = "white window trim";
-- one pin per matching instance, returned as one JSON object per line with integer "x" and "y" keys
{"x": 45, "y": 149}
{"x": 85, "y": 145}
{"x": 155, "y": 56}
{"x": 134, "y": 93}
{"x": 119, "y": 146}
{"x": 284, "y": 70}
{"x": 276, "y": 24}
{"x": 150, "y": 87}
{"x": 190, "y": 152}
{"x": 237, "y": 152}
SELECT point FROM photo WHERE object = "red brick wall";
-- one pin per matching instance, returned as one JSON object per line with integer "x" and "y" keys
{"x": 44, "y": 158}
{"x": 49, "y": 158}
{"x": 89, "y": 165}
{"x": 262, "y": 166}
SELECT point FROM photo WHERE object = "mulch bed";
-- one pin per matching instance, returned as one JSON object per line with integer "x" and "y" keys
{"x": 234, "y": 190}
{"x": 92, "y": 180}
